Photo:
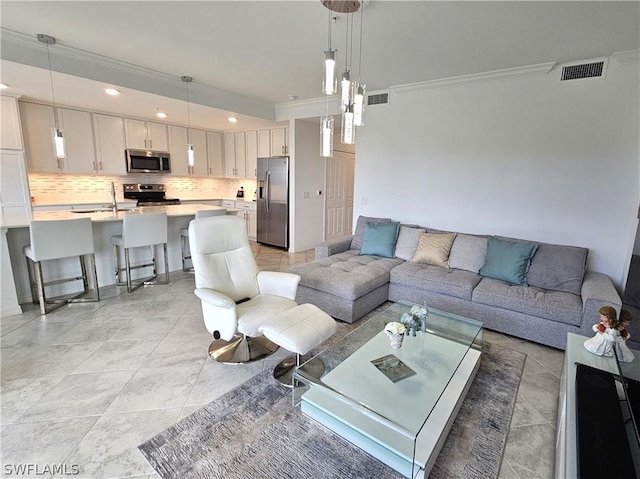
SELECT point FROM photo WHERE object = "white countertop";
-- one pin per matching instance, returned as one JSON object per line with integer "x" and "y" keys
{"x": 104, "y": 216}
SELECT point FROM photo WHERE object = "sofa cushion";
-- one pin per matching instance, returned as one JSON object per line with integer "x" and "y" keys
{"x": 558, "y": 268}
{"x": 347, "y": 275}
{"x": 508, "y": 261}
{"x": 434, "y": 249}
{"x": 451, "y": 282}
{"x": 552, "y": 305}
{"x": 380, "y": 239}
{"x": 361, "y": 224}
{"x": 407, "y": 244}
{"x": 468, "y": 253}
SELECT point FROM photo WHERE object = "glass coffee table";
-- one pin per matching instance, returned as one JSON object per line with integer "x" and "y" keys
{"x": 396, "y": 404}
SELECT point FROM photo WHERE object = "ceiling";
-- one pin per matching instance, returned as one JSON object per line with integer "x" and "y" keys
{"x": 267, "y": 51}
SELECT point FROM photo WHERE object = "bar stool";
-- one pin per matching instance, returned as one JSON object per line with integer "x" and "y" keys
{"x": 184, "y": 235}
{"x": 59, "y": 239}
{"x": 140, "y": 230}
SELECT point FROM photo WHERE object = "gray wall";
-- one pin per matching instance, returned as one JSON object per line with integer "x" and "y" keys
{"x": 527, "y": 157}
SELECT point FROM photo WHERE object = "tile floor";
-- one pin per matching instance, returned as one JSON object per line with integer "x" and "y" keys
{"x": 85, "y": 385}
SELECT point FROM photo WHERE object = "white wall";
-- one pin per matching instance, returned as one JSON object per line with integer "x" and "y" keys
{"x": 527, "y": 157}
{"x": 307, "y": 173}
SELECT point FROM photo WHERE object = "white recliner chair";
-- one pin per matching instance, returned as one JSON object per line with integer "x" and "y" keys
{"x": 237, "y": 298}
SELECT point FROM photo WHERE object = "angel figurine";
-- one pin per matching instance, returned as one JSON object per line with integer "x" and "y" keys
{"x": 622, "y": 350}
{"x": 606, "y": 333}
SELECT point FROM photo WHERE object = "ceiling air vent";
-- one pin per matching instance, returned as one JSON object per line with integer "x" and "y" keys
{"x": 378, "y": 99}
{"x": 583, "y": 70}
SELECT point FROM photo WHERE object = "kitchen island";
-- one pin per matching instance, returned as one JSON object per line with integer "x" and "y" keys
{"x": 105, "y": 225}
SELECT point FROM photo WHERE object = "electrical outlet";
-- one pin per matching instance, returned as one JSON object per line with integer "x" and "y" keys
{"x": 319, "y": 192}
{"x": 306, "y": 194}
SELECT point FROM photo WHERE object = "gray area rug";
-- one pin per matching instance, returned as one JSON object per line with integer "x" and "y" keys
{"x": 254, "y": 432}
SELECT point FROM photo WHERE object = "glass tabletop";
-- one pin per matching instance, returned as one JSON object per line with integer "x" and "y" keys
{"x": 396, "y": 389}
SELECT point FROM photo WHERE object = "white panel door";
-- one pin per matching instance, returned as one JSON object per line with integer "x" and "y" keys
{"x": 198, "y": 139}
{"x": 15, "y": 201}
{"x": 339, "y": 195}
{"x": 241, "y": 154}
{"x": 78, "y": 135}
{"x": 37, "y": 121}
{"x": 178, "y": 150}
{"x": 229, "y": 154}
{"x": 157, "y": 136}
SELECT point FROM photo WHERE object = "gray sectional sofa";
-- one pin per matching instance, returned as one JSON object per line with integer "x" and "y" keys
{"x": 559, "y": 294}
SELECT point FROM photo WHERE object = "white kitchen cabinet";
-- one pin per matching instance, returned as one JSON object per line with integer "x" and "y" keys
{"x": 235, "y": 153}
{"x": 146, "y": 135}
{"x": 279, "y": 144}
{"x": 264, "y": 143}
{"x": 15, "y": 201}
{"x": 10, "y": 131}
{"x": 37, "y": 121}
{"x": 250, "y": 216}
{"x": 179, "y": 137}
{"x": 198, "y": 139}
{"x": 228, "y": 203}
{"x": 109, "y": 144}
{"x": 78, "y": 136}
{"x": 251, "y": 143}
{"x": 214, "y": 153}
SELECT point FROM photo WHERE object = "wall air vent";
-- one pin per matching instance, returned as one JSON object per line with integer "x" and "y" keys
{"x": 378, "y": 99}
{"x": 580, "y": 71}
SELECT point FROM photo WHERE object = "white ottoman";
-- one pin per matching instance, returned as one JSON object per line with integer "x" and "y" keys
{"x": 299, "y": 330}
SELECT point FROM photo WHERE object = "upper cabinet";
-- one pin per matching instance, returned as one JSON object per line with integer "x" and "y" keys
{"x": 279, "y": 142}
{"x": 78, "y": 135}
{"x": 179, "y": 137}
{"x": 10, "y": 131}
{"x": 251, "y": 142}
{"x": 146, "y": 135}
{"x": 273, "y": 142}
{"x": 109, "y": 144}
{"x": 37, "y": 121}
{"x": 235, "y": 154}
{"x": 214, "y": 153}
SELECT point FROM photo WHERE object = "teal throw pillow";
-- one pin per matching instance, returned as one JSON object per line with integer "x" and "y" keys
{"x": 380, "y": 239}
{"x": 508, "y": 262}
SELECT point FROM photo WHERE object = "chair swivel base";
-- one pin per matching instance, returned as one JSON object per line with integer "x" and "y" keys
{"x": 241, "y": 349}
{"x": 284, "y": 370}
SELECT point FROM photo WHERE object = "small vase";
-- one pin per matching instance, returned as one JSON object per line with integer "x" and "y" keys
{"x": 395, "y": 340}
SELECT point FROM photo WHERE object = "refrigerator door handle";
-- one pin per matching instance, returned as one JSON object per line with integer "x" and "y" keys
{"x": 268, "y": 190}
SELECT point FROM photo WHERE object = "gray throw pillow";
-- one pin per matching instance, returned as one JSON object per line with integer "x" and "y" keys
{"x": 408, "y": 240}
{"x": 358, "y": 236}
{"x": 558, "y": 268}
{"x": 468, "y": 253}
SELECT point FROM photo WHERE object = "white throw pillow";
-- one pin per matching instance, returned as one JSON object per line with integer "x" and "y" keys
{"x": 407, "y": 242}
{"x": 468, "y": 253}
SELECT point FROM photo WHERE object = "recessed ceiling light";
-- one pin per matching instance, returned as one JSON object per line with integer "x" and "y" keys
{"x": 111, "y": 91}
{"x": 160, "y": 113}
{"x": 233, "y": 119}
{"x": 3, "y": 86}
{"x": 293, "y": 97}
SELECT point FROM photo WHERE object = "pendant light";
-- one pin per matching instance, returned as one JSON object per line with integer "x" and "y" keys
{"x": 329, "y": 83}
{"x": 190, "y": 151}
{"x": 348, "y": 136}
{"x": 359, "y": 88}
{"x": 326, "y": 136}
{"x": 346, "y": 87}
{"x": 56, "y": 133}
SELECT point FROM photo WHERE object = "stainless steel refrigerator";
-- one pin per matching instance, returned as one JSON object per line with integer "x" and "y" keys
{"x": 272, "y": 200}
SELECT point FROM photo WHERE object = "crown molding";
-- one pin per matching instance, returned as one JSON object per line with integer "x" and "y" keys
{"x": 26, "y": 49}
{"x": 506, "y": 74}
{"x": 629, "y": 57}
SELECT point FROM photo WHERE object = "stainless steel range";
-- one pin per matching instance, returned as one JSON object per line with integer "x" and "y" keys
{"x": 148, "y": 194}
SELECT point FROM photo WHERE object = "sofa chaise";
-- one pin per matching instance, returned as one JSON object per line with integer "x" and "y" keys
{"x": 532, "y": 290}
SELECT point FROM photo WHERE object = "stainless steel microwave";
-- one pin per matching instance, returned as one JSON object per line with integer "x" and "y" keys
{"x": 142, "y": 161}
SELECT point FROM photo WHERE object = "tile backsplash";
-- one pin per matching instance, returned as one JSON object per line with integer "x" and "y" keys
{"x": 59, "y": 189}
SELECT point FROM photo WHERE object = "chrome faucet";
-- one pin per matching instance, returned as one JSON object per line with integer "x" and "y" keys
{"x": 114, "y": 205}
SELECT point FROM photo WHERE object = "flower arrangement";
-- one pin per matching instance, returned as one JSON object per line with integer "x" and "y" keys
{"x": 416, "y": 319}
{"x": 394, "y": 327}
